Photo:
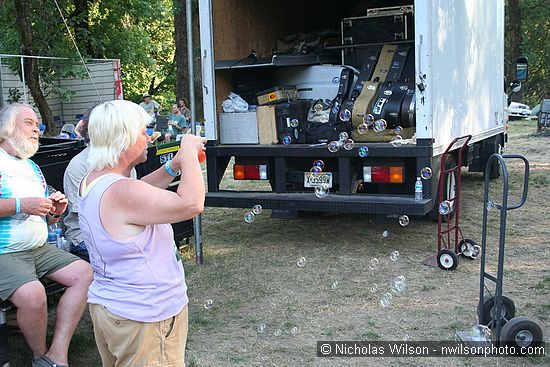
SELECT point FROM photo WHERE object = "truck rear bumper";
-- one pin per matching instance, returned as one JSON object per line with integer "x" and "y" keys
{"x": 364, "y": 203}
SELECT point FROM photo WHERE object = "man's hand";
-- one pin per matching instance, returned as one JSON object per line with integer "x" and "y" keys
{"x": 36, "y": 206}
{"x": 59, "y": 203}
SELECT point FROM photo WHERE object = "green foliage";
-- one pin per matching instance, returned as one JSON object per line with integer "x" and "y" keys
{"x": 536, "y": 46}
{"x": 138, "y": 32}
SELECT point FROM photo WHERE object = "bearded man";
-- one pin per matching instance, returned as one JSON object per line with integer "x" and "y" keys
{"x": 26, "y": 210}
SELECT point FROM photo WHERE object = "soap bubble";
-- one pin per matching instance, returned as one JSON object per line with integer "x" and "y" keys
{"x": 319, "y": 163}
{"x": 385, "y": 300}
{"x": 426, "y": 173}
{"x": 322, "y": 191}
{"x": 301, "y": 262}
{"x": 398, "y": 130}
{"x": 490, "y": 205}
{"x": 294, "y": 123}
{"x": 445, "y": 207}
{"x": 397, "y": 285}
{"x": 380, "y": 125}
{"x": 374, "y": 263}
{"x": 480, "y": 333}
{"x": 335, "y": 109}
{"x": 343, "y": 136}
{"x": 287, "y": 140}
{"x": 394, "y": 255}
{"x": 318, "y": 107}
{"x": 374, "y": 288}
{"x": 404, "y": 220}
{"x": 385, "y": 234}
{"x": 334, "y": 285}
{"x": 368, "y": 120}
{"x": 333, "y": 146}
{"x": 316, "y": 169}
{"x": 261, "y": 328}
{"x": 208, "y": 304}
{"x": 249, "y": 217}
{"x": 349, "y": 144}
{"x": 257, "y": 209}
{"x": 363, "y": 152}
{"x": 362, "y": 129}
{"x": 406, "y": 338}
{"x": 401, "y": 277}
{"x": 345, "y": 115}
{"x": 278, "y": 332}
{"x": 295, "y": 330}
{"x": 397, "y": 141}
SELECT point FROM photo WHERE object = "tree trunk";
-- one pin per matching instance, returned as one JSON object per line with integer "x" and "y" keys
{"x": 81, "y": 26}
{"x": 515, "y": 44}
{"x": 180, "y": 38}
{"x": 182, "y": 72}
{"x": 24, "y": 28}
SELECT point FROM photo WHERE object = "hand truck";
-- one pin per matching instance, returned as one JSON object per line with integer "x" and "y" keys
{"x": 449, "y": 205}
{"x": 497, "y": 311}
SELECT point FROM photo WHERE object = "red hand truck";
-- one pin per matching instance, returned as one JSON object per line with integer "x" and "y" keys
{"x": 449, "y": 207}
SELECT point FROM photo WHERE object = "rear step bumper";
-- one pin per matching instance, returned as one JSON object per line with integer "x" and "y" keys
{"x": 361, "y": 203}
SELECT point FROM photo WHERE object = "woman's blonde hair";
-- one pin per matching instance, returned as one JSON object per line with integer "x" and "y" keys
{"x": 114, "y": 126}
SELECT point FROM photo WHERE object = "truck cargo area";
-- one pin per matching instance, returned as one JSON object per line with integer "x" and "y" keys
{"x": 394, "y": 61}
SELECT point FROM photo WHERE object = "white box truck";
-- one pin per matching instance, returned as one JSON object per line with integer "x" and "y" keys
{"x": 458, "y": 63}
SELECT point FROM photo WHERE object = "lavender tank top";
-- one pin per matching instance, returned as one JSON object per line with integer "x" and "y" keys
{"x": 140, "y": 279}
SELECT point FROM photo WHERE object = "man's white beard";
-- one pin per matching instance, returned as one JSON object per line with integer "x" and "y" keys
{"x": 23, "y": 146}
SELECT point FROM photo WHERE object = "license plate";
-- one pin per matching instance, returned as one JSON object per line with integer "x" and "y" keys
{"x": 312, "y": 179}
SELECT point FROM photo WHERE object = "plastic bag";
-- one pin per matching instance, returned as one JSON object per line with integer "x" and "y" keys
{"x": 320, "y": 111}
{"x": 234, "y": 104}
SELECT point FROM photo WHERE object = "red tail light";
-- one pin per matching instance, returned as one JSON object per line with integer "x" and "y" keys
{"x": 250, "y": 172}
{"x": 383, "y": 174}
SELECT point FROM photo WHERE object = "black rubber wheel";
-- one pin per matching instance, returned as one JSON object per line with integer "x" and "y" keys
{"x": 521, "y": 333}
{"x": 469, "y": 249}
{"x": 449, "y": 191}
{"x": 492, "y": 146}
{"x": 507, "y": 310}
{"x": 447, "y": 260}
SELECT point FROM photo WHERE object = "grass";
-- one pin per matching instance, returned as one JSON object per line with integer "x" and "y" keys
{"x": 250, "y": 273}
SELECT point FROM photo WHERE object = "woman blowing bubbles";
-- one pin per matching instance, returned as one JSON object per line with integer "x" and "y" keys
{"x": 138, "y": 297}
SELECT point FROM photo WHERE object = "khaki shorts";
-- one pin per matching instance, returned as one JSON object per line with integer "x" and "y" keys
{"x": 127, "y": 343}
{"x": 18, "y": 268}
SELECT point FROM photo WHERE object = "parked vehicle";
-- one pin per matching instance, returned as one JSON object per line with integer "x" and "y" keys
{"x": 544, "y": 115}
{"x": 445, "y": 89}
{"x": 518, "y": 110}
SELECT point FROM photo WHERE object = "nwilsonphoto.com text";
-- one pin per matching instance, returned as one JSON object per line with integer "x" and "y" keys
{"x": 423, "y": 349}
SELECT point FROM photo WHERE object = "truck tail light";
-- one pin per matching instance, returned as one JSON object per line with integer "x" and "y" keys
{"x": 250, "y": 172}
{"x": 373, "y": 174}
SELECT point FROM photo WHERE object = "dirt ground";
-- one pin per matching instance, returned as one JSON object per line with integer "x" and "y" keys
{"x": 251, "y": 275}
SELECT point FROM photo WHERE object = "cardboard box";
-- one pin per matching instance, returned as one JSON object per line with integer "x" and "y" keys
{"x": 249, "y": 127}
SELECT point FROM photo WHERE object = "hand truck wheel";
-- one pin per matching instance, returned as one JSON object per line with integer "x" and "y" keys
{"x": 469, "y": 249}
{"x": 521, "y": 333}
{"x": 507, "y": 310}
{"x": 447, "y": 260}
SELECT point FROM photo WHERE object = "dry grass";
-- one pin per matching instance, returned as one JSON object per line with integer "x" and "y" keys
{"x": 250, "y": 273}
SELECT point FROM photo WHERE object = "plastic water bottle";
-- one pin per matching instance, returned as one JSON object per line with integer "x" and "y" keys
{"x": 418, "y": 189}
{"x": 52, "y": 234}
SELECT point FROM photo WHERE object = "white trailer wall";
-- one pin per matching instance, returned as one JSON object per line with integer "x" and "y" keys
{"x": 102, "y": 72}
{"x": 461, "y": 53}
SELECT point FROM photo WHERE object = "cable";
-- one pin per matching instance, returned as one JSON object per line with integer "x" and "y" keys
{"x": 77, "y": 50}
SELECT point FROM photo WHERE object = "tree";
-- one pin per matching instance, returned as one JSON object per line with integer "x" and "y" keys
{"x": 24, "y": 28}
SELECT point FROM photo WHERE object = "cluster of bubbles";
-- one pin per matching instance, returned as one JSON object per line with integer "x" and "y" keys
{"x": 322, "y": 190}
{"x": 251, "y": 215}
{"x": 343, "y": 141}
{"x": 262, "y": 329}
{"x": 397, "y": 284}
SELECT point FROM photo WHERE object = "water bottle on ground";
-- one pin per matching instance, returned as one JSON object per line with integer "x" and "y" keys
{"x": 418, "y": 189}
